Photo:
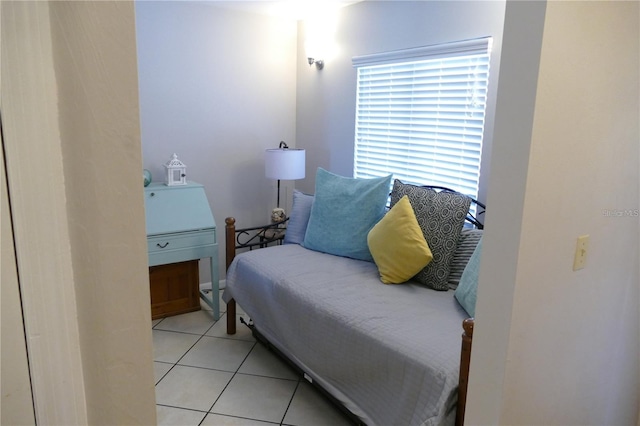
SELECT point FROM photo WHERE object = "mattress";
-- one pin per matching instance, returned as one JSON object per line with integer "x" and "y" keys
{"x": 389, "y": 353}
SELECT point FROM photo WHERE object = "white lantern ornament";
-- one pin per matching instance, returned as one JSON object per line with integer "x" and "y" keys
{"x": 176, "y": 172}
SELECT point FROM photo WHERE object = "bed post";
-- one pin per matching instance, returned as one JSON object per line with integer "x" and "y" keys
{"x": 230, "y": 235}
{"x": 465, "y": 359}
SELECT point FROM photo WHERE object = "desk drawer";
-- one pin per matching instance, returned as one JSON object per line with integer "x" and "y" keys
{"x": 170, "y": 242}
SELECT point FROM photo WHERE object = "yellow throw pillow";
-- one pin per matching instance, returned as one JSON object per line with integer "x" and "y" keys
{"x": 397, "y": 244}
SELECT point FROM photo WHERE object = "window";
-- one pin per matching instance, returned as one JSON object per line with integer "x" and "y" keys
{"x": 420, "y": 114}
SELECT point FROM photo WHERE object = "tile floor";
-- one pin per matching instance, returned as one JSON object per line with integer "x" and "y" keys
{"x": 206, "y": 377}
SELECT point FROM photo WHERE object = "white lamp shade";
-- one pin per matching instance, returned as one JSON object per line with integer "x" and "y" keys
{"x": 284, "y": 164}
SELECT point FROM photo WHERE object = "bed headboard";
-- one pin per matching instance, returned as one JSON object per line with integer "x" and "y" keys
{"x": 273, "y": 233}
{"x": 250, "y": 238}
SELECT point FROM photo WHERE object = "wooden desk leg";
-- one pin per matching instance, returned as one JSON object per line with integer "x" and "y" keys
{"x": 231, "y": 317}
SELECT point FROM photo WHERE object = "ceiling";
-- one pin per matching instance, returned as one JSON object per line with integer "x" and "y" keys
{"x": 294, "y": 9}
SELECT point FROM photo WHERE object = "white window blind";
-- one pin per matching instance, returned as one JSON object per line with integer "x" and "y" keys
{"x": 420, "y": 114}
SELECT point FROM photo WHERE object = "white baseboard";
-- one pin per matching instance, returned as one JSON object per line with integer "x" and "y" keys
{"x": 207, "y": 285}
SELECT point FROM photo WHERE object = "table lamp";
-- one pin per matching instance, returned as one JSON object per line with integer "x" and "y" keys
{"x": 283, "y": 163}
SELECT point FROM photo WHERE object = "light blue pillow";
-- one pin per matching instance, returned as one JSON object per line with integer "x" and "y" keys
{"x": 343, "y": 212}
{"x": 468, "y": 287}
{"x": 299, "y": 218}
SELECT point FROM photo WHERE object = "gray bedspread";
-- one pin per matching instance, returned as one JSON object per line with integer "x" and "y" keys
{"x": 389, "y": 353}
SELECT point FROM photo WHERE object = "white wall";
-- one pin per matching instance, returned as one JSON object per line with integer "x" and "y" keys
{"x": 522, "y": 39}
{"x": 217, "y": 87}
{"x": 326, "y": 99}
{"x": 16, "y": 402}
{"x": 100, "y": 137}
{"x": 72, "y": 140}
{"x": 35, "y": 178}
{"x": 570, "y": 352}
{"x": 16, "y": 405}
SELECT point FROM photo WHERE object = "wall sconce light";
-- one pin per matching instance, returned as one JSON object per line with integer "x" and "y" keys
{"x": 319, "y": 63}
{"x": 319, "y": 37}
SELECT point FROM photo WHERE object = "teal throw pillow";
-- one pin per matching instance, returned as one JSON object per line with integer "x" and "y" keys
{"x": 299, "y": 218}
{"x": 468, "y": 287}
{"x": 344, "y": 211}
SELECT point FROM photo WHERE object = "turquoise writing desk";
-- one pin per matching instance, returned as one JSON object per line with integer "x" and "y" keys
{"x": 180, "y": 227}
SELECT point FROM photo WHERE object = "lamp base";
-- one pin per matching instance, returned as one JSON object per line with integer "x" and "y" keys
{"x": 278, "y": 215}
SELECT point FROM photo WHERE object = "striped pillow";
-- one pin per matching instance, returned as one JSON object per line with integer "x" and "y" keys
{"x": 466, "y": 245}
{"x": 299, "y": 218}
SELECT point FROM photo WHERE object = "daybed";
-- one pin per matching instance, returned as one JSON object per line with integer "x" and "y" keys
{"x": 388, "y": 353}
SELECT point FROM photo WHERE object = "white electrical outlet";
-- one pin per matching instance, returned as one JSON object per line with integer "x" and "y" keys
{"x": 580, "y": 257}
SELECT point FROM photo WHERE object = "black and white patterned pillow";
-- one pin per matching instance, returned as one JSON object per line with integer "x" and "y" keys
{"x": 441, "y": 216}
